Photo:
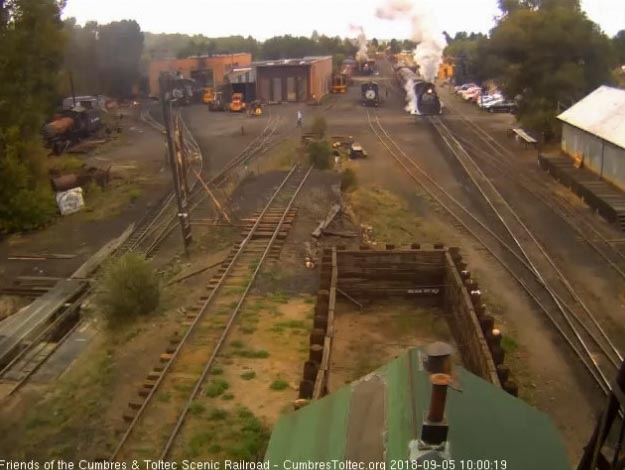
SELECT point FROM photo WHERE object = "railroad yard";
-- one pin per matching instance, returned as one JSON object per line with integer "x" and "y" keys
{"x": 283, "y": 281}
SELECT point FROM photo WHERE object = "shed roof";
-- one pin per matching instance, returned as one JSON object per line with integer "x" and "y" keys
{"x": 293, "y": 62}
{"x": 378, "y": 417}
{"x": 601, "y": 113}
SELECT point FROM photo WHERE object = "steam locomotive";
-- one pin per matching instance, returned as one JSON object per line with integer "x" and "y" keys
{"x": 69, "y": 127}
{"x": 425, "y": 100}
{"x": 370, "y": 94}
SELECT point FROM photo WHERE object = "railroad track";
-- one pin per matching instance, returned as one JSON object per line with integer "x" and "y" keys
{"x": 155, "y": 424}
{"x": 503, "y": 235}
{"x": 502, "y": 160}
{"x": 157, "y": 228}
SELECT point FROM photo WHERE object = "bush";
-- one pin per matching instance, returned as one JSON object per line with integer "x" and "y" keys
{"x": 129, "y": 287}
{"x": 216, "y": 388}
{"x": 348, "y": 180}
{"x": 279, "y": 384}
{"x": 319, "y": 126}
{"x": 320, "y": 155}
{"x": 26, "y": 198}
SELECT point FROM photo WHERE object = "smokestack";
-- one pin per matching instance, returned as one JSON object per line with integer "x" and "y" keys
{"x": 434, "y": 428}
{"x": 440, "y": 382}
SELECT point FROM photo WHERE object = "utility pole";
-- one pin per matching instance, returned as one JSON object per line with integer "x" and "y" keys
{"x": 176, "y": 157}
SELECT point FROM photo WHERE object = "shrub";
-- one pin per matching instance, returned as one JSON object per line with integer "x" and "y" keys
{"x": 26, "y": 198}
{"x": 279, "y": 384}
{"x": 320, "y": 155}
{"x": 129, "y": 287}
{"x": 319, "y": 126}
{"x": 216, "y": 388}
{"x": 348, "y": 180}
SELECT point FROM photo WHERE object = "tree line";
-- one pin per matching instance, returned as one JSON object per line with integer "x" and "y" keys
{"x": 545, "y": 53}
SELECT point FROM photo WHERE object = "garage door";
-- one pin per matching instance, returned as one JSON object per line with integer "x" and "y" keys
{"x": 277, "y": 89}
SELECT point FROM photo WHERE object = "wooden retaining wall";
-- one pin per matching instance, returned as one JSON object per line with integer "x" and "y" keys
{"x": 433, "y": 276}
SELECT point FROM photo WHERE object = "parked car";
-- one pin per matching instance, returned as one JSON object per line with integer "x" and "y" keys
{"x": 487, "y": 99}
{"x": 504, "y": 106}
{"x": 356, "y": 151}
{"x": 464, "y": 87}
{"x": 467, "y": 95}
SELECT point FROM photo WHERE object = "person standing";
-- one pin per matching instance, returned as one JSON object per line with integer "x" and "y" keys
{"x": 299, "y": 118}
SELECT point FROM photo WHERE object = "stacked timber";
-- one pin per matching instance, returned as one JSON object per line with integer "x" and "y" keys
{"x": 370, "y": 274}
{"x": 474, "y": 328}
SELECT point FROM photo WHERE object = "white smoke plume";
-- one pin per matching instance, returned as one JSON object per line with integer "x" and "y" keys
{"x": 361, "y": 41}
{"x": 411, "y": 97}
{"x": 429, "y": 51}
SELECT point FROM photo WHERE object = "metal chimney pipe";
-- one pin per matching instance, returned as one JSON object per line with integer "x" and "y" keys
{"x": 440, "y": 382}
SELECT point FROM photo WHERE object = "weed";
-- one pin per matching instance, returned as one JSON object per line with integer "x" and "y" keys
{"x": 279, "y": 298}
{"x": 249, "y": 375}
{"x": 248, "y": 330}
{"x": 236, "y": 344}
{"x": 348, "y": 180}
{"x": 217, "y": 370}
{"x": 216, "y": 388}
{"x": 279, "y": 384}
{"x": 217, "y": 414}
{"x": 309, "y": 300}
{"x": 182, "y": 388}
{"x": 227, "y": 396}
{"x": 134, "y": 194}
{"x": 196, "y": 408}
{"x": 254, "y": 354}
{"x": 164, "y": 397}
{"x": 294, "y": 324}
{"x": 508, "y": 344}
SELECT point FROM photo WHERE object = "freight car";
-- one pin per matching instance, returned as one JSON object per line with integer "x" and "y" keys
{"x": 423, "y": 99}
{"x": 370, "y": 93}
{"x": 69, "y": 127}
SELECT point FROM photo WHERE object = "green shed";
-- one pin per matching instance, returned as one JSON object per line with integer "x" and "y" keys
{"x": 377, "y": 423}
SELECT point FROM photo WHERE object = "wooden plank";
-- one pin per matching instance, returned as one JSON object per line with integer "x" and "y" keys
{"x": 334, "y": 209}
{"x": 93, "y": 263}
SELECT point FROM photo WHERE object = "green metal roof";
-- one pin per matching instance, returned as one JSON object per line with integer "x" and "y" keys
{"x": 377, "y": 417}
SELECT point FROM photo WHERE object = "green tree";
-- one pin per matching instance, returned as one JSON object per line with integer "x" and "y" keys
{"x": 32, "y": 44}
{"x": 119, "y": 49}
{"x": 618, "y": 43}
{"x": 548, "y": 55}
{"x": 395, "y": 46}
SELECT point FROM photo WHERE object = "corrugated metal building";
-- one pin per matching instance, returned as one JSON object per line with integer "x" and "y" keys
{"x": 209, "y": 71}
{"x": 381, "y": 418}
{"x": 593, "y": 132}
{"x": 293, "y": 79}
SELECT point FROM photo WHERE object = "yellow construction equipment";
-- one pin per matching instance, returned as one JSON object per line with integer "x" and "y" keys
{"x": 208, "y": 95}
{"x": 237, "y": 104}
{"x": 339, "y": 84}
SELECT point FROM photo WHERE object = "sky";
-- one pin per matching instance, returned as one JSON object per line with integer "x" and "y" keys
{"x": 267, "y": 18}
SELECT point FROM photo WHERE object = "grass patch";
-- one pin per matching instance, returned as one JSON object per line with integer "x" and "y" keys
{"x": 249, "y": 375}
{"x": 196, "y": 408}
{"x": 216, "y": 387}
{"x": 279, "y": 384}
{"x": 164, "y": 397}
{"x": 227, "y": 396}
{"x": 217, "y": 414}
{"x": 65, "y": 164}
{"x": 134, "y": 194}
{"x": 248, "y": 330}
{"x": 279, "y": 298}
{"x": 217, "y": 370}
{"x": 508, "y": 344}
{"x": 236, "y": 344}
{"x": 251, "y": 353}
{"x": 388, "y": 215}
